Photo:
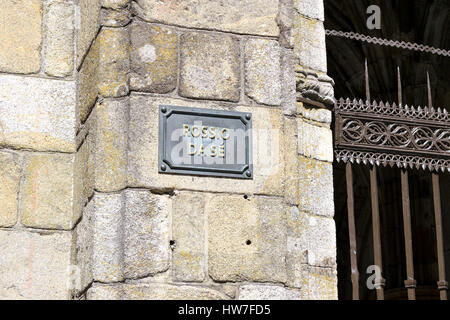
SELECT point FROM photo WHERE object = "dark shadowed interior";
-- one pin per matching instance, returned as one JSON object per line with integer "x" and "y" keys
{"x": 424, "y": 22}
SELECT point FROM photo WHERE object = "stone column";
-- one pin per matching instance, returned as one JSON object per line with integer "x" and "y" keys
{"x": 44, "y": 148}
{"x": 315, "y": 98}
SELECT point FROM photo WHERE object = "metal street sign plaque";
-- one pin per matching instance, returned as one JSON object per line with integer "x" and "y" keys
{"x": 205, "y": 142}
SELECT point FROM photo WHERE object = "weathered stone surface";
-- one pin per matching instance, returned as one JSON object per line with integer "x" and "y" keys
{"x": 83, "y": 185}
{"x": 114, "y": 18}
{"x": 265, "y": 292}
{"x": 288, "y": 82}
{"x": 88, "y": 26}
{"x": 35, "y": 265}
{"x": 315, "y": 141}
{"x": 285, "y": 21}
{"x": 131, "y": 235}
{"x": 316, "y": 185}
{"x": 86, "y": 130}
{"x": 263, "y": 71}
{"x": 87, "y": 90}
{"x": 246, "y": 238}
{"x": 296, "y": 256}
{"x": 55, "y": 189}
{"x": 154, "y": 58}
{"x": 248, "y": 16}
{"x": 291, "y": 182}
{"x": 21, "y": 36}
{"x": 153, "y": 292}
{"x": 188, "y": 220}
{"x": 114, "y": 4}
{"x": 268, "y": 155}
{"x": 317, "y": 239}
{"x": 10, "y": 171}
{"x": 111, "y": 130}
{"x": 319, "y": 283}
{"x": 309, "y": 43}
{"x": 230, "y": 290}
{"x": 171, "y": 292}
{"x": 114, "y": 62}
{"x": 85, "y": 248}
{"x": 310, "y": 8}
{"x": 59, "y": 35}
{"x": 146, "y": 234}
{"x": 47, "y": 192}
{"x": 210, "y": 67}
{"x": 37, "y": 113}
{"x": 315, "y": 114}
{"x": 104, "y": 292}
{"x": 108, "y": 234}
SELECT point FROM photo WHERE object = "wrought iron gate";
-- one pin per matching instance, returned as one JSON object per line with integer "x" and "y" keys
{"x": 393, "y": 134}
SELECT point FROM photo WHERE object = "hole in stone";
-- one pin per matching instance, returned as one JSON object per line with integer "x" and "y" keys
{"x": 248, "y": 242}
{"x": 246, "y": 197}
{"x": 172, "y": 242}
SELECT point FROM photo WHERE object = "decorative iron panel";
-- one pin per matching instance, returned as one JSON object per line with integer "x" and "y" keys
{"x": 394, "y": 135}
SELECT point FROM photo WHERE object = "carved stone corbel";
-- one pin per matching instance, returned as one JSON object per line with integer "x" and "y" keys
{"x": 315, "y": 88}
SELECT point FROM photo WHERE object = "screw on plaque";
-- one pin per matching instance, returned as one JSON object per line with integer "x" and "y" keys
{"x": 248, "y": 116}
{"x": 248, "y": 173}
{"x": 163, "y": 167}
{"x": 163, "y": 109}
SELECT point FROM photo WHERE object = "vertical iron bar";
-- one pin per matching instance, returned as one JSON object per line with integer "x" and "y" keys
{"x": 410, "y": 283}
{"x": 430, "y": 99}
{"x": 379, "y": 281}
{"x": 366, "y": 73}
{"x": 352, "y": 232}
{"x": 442, "y": 283}
{"x": 399, "y": 87}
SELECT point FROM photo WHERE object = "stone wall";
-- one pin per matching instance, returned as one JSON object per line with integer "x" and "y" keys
{"x": 87, "y": 214}
{"x": 45, "y": 149}
{"x": 315, "y": 95}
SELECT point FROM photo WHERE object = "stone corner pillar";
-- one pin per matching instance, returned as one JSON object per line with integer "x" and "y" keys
{"x": 44, "y": 143}
{"x": 315, "y": 99}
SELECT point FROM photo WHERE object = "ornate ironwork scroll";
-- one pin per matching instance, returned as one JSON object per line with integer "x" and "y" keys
{"x": 394, "y": 135}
